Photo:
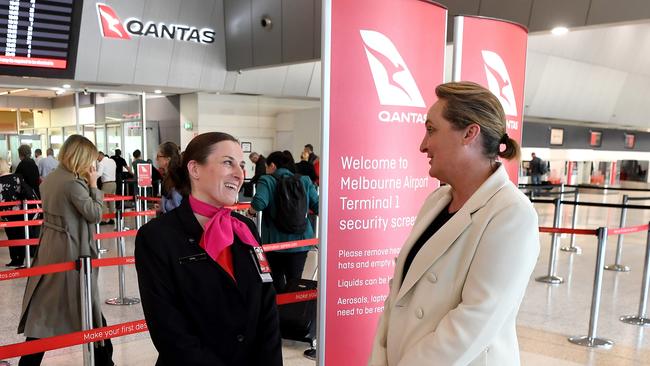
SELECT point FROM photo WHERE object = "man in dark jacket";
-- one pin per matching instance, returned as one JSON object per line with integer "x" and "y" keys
{"x": 28, "y": 169}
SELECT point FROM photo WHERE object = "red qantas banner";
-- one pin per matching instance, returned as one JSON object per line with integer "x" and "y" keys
{"x": 492, "y": 53}
{"x": 144, "y": 175}
{"x": 385, "y": 60}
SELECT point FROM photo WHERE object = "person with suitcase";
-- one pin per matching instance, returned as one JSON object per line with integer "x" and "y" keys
{"x": 285, "y": 198}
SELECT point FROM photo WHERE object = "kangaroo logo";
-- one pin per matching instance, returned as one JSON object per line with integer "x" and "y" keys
{"x": 110, "y": 23}
{"x": 499, "y": 81}
{"x": 393, "y": 80}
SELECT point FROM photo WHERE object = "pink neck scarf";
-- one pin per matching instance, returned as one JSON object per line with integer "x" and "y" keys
{"x": 219, "y": 232}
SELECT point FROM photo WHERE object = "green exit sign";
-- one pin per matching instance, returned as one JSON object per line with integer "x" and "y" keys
{"x": 187, "y": 125}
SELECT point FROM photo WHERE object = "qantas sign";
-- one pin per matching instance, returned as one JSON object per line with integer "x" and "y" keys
{"x": 112, "y": 27}
{"x": 394, "y": 82}
{"x": 499, "y": 81}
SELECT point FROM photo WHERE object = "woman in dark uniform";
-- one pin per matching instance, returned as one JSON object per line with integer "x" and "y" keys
{"x": 206, "y": 290}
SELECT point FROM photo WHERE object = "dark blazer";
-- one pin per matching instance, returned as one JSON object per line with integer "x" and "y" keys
{"x": 28, "y": 170}
{"x": 196, "y": 313}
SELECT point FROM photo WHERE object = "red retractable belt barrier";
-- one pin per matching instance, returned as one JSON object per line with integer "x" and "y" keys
{"x": 21, "y": 212}
{"x": 11, "y": 203}
{"x": 560, "y": 230}
{"x": 113, "y": 261}
{"x": 18, "y": 242}
{"x": 113, "y": 197}
{"x": 33, "y": 202}
{"x": 139, "y": 213}
{"x": 72, "y": 339}
{"x": 38, "y": 270}
{"x": 115, "y": 234}
{"x": 291, "y": 297}
{"x": 239, "y": 206}
{"x": 20, "y": 223}
{"x": 289, "y": 245}
{"x": 628, "y": 230}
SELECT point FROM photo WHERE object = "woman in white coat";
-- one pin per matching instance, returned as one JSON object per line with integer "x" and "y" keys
{"x": 462, "y": 273}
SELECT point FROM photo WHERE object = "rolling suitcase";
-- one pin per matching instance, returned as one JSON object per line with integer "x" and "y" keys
{"x": 298, "y": 320}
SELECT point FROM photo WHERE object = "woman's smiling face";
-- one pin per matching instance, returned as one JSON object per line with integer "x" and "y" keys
{"x": 218, "y": 180}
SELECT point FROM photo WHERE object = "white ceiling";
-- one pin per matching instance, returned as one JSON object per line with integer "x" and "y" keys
{"x": 598, "y": 75}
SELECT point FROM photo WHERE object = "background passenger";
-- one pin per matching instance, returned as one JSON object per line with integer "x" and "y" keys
{"x": 168, "y": 161}
{"x": 72, "y": 205}
{"x": 27, "y": 168}
{"x": 47, "y": 164}
{"x": 286, "y": 264}
{"x": 106, "y": 169}
{"x": 461, "y": 274}
{"x": 206, "y": 299}
{"x": 14, "y": 188}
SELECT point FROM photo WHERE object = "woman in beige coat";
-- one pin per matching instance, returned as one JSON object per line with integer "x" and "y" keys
{"x": 462, "y": 273}
{"x": 72, "y": 205}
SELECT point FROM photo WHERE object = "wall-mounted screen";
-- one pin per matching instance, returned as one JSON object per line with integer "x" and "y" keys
{"x": 39, "y": 37}
{"x": 557, "y": 136}
{"x": 630, "y": 139}
{"x": 595, "y": 138}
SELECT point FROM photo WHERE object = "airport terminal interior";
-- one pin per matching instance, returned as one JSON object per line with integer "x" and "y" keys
{"x": 130, "y": 75}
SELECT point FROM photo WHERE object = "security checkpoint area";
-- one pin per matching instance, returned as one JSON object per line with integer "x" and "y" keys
{"x": 344, "y": 116}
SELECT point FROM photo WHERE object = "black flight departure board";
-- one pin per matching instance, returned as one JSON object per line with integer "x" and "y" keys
{"x": 39, "y": 37}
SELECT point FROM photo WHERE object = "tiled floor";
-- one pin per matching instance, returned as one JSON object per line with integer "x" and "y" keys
{"x": 549, "y": 314}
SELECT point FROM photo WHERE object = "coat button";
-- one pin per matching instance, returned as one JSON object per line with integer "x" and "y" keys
{"x": 432, "y": 278}
{"x": 240, "y": 338}
{"x": 419, "y": 313}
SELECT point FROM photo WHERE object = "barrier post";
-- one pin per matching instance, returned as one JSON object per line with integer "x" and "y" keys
{"x": 138, "y": 220}
{"x": 100, "y": 250}
{"x": 85, "y": 282}
{"x": 28, "y": 256}
{"x": 159, "y": 188}
{"x": 617, "y": 266}
{"x": 591, "y": 339}
{"x": 145, "y": 204}
{"x": 551, "y": 278}
{"x": 259, "y": 222}
{"x": 572, "y": 248}
{"x": 122, "y": 299}
{"x": 642, "y": 318}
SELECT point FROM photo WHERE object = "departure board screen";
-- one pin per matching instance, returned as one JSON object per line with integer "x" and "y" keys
{"x": 37, "y": 34}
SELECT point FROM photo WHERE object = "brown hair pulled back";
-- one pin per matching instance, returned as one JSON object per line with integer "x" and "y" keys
{"x": 170, "y": 150}
{"x": 467, "y": 103}
{"x": 198, "y": 150}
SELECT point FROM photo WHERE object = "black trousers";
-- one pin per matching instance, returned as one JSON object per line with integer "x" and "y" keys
{"x": 17, "y": 254}
{"x": 285, "y": 266}
{"x": 103, "y": 354}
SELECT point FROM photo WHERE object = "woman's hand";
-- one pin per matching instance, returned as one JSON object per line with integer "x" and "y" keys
{"x": 92, "y": 176}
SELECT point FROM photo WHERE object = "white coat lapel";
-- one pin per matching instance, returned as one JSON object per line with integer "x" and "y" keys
{"x": 435, "y": 247}
{"x": 438, "y": 244}
{"x": 428, "y": 215}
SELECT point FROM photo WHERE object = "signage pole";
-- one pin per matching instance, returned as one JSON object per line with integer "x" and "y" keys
{"x": 76, "y": 112}
{"x": 326, "y": 58}
{"x": 144, "y": 125}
